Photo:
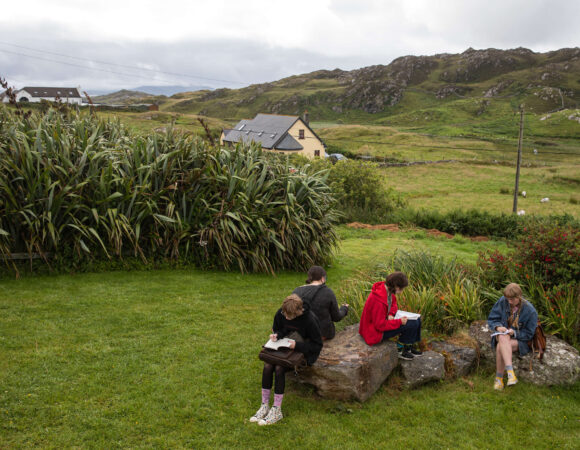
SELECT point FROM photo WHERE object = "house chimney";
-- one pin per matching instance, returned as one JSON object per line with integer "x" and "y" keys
{"x": 306, "y": 117}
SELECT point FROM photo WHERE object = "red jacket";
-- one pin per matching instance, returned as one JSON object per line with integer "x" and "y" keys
{"x": 373, "y": 321}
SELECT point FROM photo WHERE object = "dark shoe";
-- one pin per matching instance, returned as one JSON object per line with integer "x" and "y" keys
{"x": 416, "y": 352}
{"x": 406, "y": 354}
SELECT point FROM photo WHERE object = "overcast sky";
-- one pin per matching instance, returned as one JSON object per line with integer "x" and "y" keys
{"x": 114, "y": 44}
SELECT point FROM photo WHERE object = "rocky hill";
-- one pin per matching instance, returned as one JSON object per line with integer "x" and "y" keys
{"x": 543, "y": 81}
{"x": 127, "y": 97}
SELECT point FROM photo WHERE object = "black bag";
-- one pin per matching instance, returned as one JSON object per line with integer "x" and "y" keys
{"x": 285, "y": 357}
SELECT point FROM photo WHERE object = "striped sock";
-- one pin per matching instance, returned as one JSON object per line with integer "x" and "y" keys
{"x": 498, "y": 375}
{"x": 509, "y": 367}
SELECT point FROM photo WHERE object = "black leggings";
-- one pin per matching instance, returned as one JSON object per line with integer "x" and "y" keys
{"x": 268, "y": 374}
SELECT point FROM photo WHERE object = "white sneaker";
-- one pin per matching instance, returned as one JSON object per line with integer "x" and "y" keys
{"x": 261, "y": 413}
{"x": 274, "y": 415}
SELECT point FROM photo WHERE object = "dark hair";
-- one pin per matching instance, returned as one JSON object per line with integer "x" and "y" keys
{"x": 396, "y": 280}
{"x": 315, "y": 273}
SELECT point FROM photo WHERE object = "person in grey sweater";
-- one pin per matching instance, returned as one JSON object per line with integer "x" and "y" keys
{"x": 322, "y": 301}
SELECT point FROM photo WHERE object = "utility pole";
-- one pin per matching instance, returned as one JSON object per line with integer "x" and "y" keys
{"x": 519, "y": 159}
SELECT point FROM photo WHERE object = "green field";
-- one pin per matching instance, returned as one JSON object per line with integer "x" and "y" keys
{"x": 168, "y": 358}
{"x": 489, "y": 187}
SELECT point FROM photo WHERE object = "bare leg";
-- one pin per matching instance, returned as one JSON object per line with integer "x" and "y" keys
{"x": 505, "y": 347}
{"x": 499, "y": 364}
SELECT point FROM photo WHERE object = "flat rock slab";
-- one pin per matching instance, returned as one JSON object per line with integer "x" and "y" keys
{"x": 561, "y": 363}
{"x": 422, "y": 369}
{"x": 463, "y": 358}
{"x": 349, "y": 369}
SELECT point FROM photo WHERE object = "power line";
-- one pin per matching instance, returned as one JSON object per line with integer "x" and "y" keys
{"x": 122, "y": 65}
{"x": 182, "y": 75}
{"x": 82, "y": 67}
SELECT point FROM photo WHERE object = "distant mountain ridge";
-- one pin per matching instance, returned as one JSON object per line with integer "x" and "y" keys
{"x": 142, "y": 94}
{"x": 544, "y": 81}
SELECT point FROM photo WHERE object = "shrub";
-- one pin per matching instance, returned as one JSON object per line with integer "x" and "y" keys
{"x": 462, "y": 303}
{"x": 428, "y": 302}
{"x": 496, "y": 269}
{"x": 559, "y": 309}
{"x": 359, "y": 188}
{"x": 85, "y": 189}
{"x": 551, "y": 253}
{"x": 468, "y": 223}
{"x": 546, "y": 263}
{"x": 440, "y": 290}
{"x": 424, "y": 269}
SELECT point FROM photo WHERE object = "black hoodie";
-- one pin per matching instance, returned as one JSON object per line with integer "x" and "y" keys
{"x": 307, "y": 326}
{"x": 322, "y": 303}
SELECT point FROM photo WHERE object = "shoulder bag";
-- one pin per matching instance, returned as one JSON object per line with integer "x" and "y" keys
{"x": 289, "y": 358}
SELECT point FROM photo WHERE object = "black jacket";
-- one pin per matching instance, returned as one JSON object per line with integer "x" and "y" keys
{"x": 307, "y": 326}
{"x": 322, "y": 303}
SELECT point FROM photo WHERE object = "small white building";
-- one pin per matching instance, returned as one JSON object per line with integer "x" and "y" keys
{"x": 51, "y": 94}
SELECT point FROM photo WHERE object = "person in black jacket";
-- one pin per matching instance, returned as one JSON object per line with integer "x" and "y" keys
{"x": 322, "y": 301}
{"x": 294, "y": 316}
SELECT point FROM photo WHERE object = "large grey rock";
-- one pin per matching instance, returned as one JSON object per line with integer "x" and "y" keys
{"x": 420, "y": 370}
{"x": 462, "y": 358}
{"x": 561, "y": 363}
{"x": 349, "y": 369}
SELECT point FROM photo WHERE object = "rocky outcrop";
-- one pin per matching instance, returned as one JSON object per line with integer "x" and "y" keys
{"x": 561, "y": 363}
{"x": 451, "y": 89}
{"x": 420, "y": 370}
{"x": 482, "y": 65}
{"x": 349, "y": 369}
{"x": 498, "y": 88}
{"x": 459, "y": 360}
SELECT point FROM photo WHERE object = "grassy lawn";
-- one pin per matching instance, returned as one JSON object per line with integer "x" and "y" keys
{"x": 169, "y": 359}
{"x": 488, "y": 187}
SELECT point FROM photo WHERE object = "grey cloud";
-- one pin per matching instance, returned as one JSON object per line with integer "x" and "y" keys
{"x": 218, "y": 63}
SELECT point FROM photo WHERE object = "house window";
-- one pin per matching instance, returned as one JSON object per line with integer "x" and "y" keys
{"x": 317, "y": 153}
{"x": 300, "y": 134}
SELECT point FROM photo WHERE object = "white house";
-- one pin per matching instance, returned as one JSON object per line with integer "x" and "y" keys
{"x": 51, "y": 94}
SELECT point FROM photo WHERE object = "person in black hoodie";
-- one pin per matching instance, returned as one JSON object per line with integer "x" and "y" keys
{"x": 322, "y": 301}
{"x": 294, "y": 316}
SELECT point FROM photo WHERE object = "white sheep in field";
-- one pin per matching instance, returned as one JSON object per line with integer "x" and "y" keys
{"x": 521, "y": 212}
{"x": 545, "y": 200}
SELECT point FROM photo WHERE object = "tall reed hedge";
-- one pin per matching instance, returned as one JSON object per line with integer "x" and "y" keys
{"x": 79, "y": 188}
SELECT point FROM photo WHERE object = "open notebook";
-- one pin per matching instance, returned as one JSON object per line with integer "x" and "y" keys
{"x": 408, "y": 315}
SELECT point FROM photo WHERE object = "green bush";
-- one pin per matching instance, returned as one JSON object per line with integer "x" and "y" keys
{"x": 552, "y": 253}
{"x": 444, "y": 292}
{"x": 477, "y": 223}
{"x": 450, "y": 296}
{"x": 545, "y": 261}
{"x": 359, "y": 188}
{"x": 558, "y": 307}
{"x": 466, "y": 222}
{"x": 84, "y": 189}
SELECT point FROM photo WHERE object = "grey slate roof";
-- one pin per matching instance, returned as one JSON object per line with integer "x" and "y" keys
{"x": 289, "y": 143}
{"x": 62, "y": 92}
{"x": 269, "y": 130}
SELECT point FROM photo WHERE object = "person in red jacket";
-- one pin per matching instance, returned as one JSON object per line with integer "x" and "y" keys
{"x": 378, "y": 323}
